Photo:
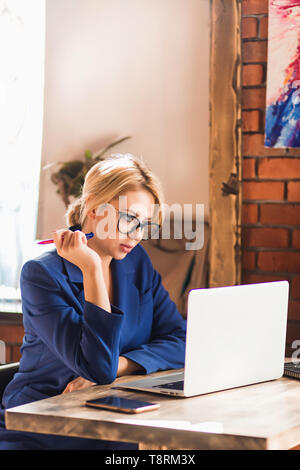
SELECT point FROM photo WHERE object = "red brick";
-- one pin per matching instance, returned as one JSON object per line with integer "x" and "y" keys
{"x": 252, "y": 74}
{"x": 280, "y": 214}
{"x": 15, "y": 353}
{"x": 254, "y": 51}
{"x": 295, "y": 289}
{"x": 296, "y": 239}
{"x": 265, "y": 237}
{"x": 248, "y": 260}
{"x": 253, "y": 98}
{"x": 8, "y": 353}
{"x": 249, "y": 168}
{"x": 12, "y": 353}
{"x": 253, "y": 145}
{"x": 254, "y": 7}
{"x": 251, "y": 121}
{"x": 294, "y": 310}
{"x": 267, "y": 190}
{"x": 249, "y": 27}
{"x": 279, "y": 168}
{"x": 279, "y": 261}
{"x": 292, "y": 152}
{"x": 293, "y": 334}
{"x": 263, "y": 27}
{"x": 249, "y": 213}
{"x": 11, "y": 334}
{"x": 294, "y": 191}
{"x": 254, "y": 278}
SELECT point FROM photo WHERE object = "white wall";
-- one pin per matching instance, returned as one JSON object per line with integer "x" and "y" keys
{"x": 128, "y": 67}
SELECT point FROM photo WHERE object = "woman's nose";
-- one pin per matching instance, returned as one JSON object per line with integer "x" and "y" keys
{"x": 137, "y": 234}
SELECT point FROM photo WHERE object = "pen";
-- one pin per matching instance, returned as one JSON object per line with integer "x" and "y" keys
{"x": 45, "y": 242}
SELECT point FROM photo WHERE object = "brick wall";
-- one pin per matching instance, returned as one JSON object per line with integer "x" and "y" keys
{"x": 12, "y": 335}
{"x": 271, "y": 178}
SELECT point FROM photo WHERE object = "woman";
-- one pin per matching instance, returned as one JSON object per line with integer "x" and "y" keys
{"x": 95, "y": 310}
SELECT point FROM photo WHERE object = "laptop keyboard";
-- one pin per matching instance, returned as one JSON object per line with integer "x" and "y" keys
{"x": 172, "y": 385}
{"x": 293, "y": 367}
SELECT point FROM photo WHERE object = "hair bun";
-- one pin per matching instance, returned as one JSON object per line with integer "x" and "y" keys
{"x": 74, "y": 213}
{"x": 75, "y": 227}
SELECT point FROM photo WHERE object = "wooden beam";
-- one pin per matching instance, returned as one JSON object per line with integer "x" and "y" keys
{"x": 225, "y": 144}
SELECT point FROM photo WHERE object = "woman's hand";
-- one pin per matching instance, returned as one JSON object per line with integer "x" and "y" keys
{"x": 73, "y": 247}
{"x": 78, "y": 384}
{"x": 127, "y": 366}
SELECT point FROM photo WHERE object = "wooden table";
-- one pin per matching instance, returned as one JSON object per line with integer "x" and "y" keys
{"x": 260, "y": 416}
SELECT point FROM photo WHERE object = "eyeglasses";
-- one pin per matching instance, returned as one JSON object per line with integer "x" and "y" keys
{"x": 128, "y": 224}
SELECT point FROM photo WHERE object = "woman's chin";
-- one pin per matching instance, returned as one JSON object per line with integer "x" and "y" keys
{"x": 118, "y": 254}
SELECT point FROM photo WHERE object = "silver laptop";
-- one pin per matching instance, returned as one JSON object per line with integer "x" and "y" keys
{"x": 235, "y": 337}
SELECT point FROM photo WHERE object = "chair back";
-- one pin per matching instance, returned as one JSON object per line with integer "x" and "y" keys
{"x": 7, "y": 371}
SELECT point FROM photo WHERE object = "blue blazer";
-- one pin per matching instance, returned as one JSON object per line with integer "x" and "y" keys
{"x": 66, "y": 337}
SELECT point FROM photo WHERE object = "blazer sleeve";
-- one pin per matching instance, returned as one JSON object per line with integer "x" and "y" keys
{"x": 89, "y": 343}
{"x": 166, "y": 348}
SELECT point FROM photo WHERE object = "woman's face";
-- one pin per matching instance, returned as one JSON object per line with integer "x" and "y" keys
{"x": 104, "y": 223}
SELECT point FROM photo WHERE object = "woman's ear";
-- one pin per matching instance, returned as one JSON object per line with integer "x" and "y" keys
{"x": 92, "y": 214}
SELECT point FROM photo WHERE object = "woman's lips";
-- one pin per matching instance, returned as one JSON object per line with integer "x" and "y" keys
{"x": 126, "y": 248}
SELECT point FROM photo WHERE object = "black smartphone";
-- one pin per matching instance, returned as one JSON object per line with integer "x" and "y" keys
{"x": 126, "y": 405}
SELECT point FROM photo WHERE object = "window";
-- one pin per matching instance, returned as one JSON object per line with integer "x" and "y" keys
{"x": 22, "y": 44}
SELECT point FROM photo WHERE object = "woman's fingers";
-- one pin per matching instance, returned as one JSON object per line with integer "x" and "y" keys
{"x": 74, "y": 248}
{"x": 68, "y": 240}
{"x": 77, "y": 384}
{"x": 79, "y": 237}
{"x": 65, "y": 239}
{"x": 58, "y": 238}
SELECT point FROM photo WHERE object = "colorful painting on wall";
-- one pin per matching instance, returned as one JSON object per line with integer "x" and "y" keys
{"x": 283, "y": 76}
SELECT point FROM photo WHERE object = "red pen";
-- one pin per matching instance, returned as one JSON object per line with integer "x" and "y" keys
{"x": 46, "y": 242}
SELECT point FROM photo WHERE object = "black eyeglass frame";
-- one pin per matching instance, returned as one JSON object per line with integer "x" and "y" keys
{"x": 138, "y": 224}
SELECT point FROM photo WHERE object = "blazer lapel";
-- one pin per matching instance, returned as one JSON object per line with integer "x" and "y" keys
{"x": 127, "y": 299}
{"x": 75, "y": 283}
{"x": 125, "y": 292}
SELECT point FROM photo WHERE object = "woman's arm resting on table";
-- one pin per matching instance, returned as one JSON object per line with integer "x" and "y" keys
{"x": 126, "y": 367}
{"x": 89, "y": 343}
{"x": 166, "y": 347}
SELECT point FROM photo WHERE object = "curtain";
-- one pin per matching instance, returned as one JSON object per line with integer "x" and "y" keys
{"x": 22, "y": 42}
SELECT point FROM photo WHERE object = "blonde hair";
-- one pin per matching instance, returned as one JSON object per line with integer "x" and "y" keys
{"x": 107, "y": 179}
